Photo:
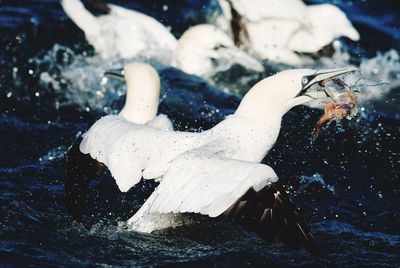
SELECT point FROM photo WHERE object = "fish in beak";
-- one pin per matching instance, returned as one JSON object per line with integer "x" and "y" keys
{"x": 318, "y": 77}
{"x": 340, "y": 100}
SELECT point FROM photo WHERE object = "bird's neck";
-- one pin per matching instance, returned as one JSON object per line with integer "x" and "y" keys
{"x": 246, "y": 139}
{"x": 141, "y": 104}
{"x": 260, "y": 104}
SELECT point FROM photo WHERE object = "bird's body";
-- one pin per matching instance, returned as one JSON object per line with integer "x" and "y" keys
{"x": 279, "y": 30}
{"x": 199, "y": 172}
{"x": 132, "y": 151}
{"x": 141, "y": 106}
{"x": 121, "y": 34}
{"x": 204, "y": 50}
{"x": 216, "y": 172}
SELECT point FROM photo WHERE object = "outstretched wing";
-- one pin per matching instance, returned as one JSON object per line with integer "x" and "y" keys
{"x": 200, "y": 181}
{"x": 132, "y": 151}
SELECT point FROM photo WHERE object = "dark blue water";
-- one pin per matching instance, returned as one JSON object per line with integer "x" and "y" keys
{"x": 347, "y": 183}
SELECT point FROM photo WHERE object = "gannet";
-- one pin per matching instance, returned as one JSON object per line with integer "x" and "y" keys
{"x": 122, "y": 33}
{"x": 142, "y": 95}
{"x": 204, "y": 50}
{"x": 279, "y": 30}
{"x": 141, "y": 105}
{"x": 216, "y": 172}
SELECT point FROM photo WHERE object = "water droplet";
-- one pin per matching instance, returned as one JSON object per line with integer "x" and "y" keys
{"x": 104, "y": 81}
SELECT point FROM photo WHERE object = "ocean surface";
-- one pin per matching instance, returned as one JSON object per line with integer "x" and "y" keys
{"x": 346, "y": 183}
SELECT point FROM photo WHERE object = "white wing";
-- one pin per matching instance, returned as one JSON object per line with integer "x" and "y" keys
{"x": 80, "y": 16}
{"x": 160, "y": 36}
{"x": 200, "y": 181}
{"x": 132, "y": 151}
{"x": 123, "y": 33}
{"x": 161, "y": 122}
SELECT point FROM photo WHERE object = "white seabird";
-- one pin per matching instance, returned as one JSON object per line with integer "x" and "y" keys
{"x": 214, "y": 172}
{"x": 278, "y": 30}
{"x": 202, "y": 50}
{"x": 140, "y": 108}
{"x": 123, "y": 33}
{"x": 142, "y": 95}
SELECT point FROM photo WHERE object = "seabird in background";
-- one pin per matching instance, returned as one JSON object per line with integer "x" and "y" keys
{"x": 141, "y": 105}
{"x": 203, "y": 50}
{"x": 281, "y": 30}
{"x": 122, "y": 33}
{"x": 216, "y": 172}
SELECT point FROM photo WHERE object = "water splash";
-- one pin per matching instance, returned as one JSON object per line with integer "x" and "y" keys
{"x": 314, "y": 181}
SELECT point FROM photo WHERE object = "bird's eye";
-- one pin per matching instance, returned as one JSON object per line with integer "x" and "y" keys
{"x": 304, "y": 81}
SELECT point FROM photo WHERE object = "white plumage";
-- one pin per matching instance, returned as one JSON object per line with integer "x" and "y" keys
{"x": 278, "y": 29}
{"x": 132, "y": 151}
{"x": 142, "y": 96}
{"x": 122, "y": 33}
{"x": 212, "y": 184}
{"x": 200, "y": 172}
{"x": 202, "y": 50}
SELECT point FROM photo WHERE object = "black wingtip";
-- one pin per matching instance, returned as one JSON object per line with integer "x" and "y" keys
{"x": 273, "y": 215}
{"x": 97, "y": 7}
{"x": 239, "y": 29}
{"x": 81, "y": 169}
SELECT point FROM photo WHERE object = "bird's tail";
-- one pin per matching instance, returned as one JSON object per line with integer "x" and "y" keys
{"x": 81, "y": 16}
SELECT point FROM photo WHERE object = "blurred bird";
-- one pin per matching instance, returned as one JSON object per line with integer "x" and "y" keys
{"x": 281, "y": 30}
{"x": 204, "y": 50}
{"x": 121, "y": 33}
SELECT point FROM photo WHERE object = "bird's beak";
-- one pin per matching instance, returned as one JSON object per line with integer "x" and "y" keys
{"x": 117, "y": 74}
{"x": 308, "y": 94}
{"x": 319, "y": 76}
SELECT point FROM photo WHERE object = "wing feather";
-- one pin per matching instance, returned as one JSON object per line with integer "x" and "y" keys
{"x": 200, "y": 181}
{"x": 131, "y": 151}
